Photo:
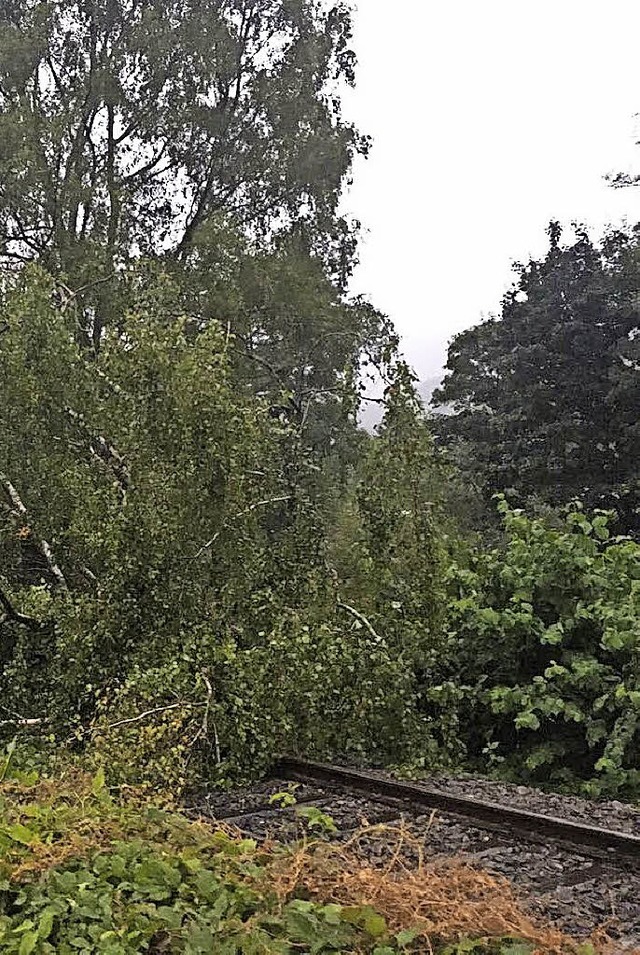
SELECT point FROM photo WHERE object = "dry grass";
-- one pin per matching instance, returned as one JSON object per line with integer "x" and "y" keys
{"x": 66, "y": 819}
{"x": 72, "y": 786}
{"x": 381, "y": 866}
{"x": 445, "y": 900}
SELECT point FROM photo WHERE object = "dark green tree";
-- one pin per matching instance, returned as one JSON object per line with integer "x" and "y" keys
{"x": 545, "y": 395}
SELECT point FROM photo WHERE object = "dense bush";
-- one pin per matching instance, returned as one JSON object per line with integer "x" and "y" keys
{"x": 544, "y": 674}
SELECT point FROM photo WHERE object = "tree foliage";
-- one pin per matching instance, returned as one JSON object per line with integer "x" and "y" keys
{"x": 127, "y": 125}
{"x": 210, "y": 136}
{"x": 204, "y": 561}
{"x": 544, "y": 395}
{"x": 180, "y": 377}
{"x": 164, "y": 548}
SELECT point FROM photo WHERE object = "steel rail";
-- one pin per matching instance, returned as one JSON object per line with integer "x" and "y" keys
{"x": 529, "y": 824}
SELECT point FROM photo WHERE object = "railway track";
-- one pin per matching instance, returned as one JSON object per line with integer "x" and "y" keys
{"x": 592, "y": 840}
{"x": 579, "y": 875}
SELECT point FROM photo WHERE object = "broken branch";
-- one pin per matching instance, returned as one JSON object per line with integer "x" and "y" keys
{"x": 153, "y": 712}
{"x": 105, "y": 452}
{"x": 360, "y": 617}
{"x": 22, "y": 723}
{"x": 19, "y": 511}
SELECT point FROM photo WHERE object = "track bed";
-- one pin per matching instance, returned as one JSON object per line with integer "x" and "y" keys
{"x": 580, "y": 888}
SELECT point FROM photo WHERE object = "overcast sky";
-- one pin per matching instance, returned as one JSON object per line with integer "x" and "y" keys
{"x": 488, "y": 119}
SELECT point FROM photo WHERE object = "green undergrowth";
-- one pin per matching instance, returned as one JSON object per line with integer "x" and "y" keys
{"x": 83, "y": 870}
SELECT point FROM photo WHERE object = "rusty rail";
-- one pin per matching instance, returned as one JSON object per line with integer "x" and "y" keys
{"x": 531, "y": 825}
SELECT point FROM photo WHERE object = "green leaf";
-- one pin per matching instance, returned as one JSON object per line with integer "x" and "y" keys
{"x": 374, "y": 925}
{"x": 332, "y": 913}
{"x": 316, "y": 819}
{"x": 98, "y": 783}
{"x": 527, "y": 720}
{"x": 405, "y": 937}
{"x": 45, "y": 925}
{"x": 208, "y": 885}
{"x": 28, "y": 943}
{"x": 19, "y": 833}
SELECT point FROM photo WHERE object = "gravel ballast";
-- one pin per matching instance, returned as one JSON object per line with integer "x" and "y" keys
{"x": 575, "y": 891}
{"x": 611, "y": 814}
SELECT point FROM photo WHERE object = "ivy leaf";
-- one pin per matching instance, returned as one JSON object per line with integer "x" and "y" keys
{"x": 527, "y": 720}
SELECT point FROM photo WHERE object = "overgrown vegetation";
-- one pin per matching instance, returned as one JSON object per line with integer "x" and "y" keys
{"x": 82, "y": 871}
{"x": 543, "y": 658}
{"x": 180, "y": 560}
{"x": 204, "y": 561}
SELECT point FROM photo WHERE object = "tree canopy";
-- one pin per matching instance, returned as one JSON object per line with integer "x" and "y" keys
{"x": 127, "y": 124}
{"x": 208, "y": 136}
{"x": 543, "y": 394}
{"x": 204, "y": 561}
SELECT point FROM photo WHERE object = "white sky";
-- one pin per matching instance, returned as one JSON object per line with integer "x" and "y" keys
{"x": 488, "y": 119}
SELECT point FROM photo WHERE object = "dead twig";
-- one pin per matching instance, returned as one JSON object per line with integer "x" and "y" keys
{"x": 153, "y": 712}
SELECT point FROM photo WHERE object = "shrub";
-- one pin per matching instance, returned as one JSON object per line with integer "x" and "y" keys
{"x": 544, "y": 635}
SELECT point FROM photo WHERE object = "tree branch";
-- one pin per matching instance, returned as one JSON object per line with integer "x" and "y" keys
{"x": 153, "y": 712}
{"x": 19, "y": 511}
{"x": 360, "y": 617}
{"x": 105, "y": 452}
{"x": 10, "y": 613}
{"x": 248, "y": 510}
{"x": 22, "y": 723}
{"x": 148, "y": 167}
{"x": 83, "y": 288}
{"x": 203, "y": 730}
